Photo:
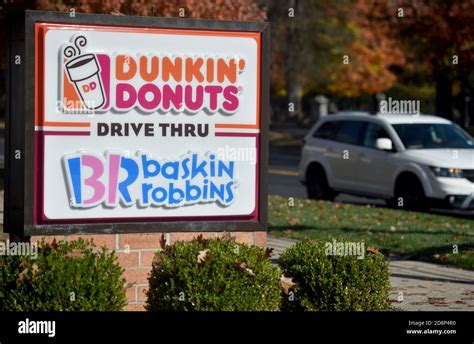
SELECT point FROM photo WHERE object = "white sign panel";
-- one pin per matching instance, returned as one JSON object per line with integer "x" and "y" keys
{"x": 142, "y": 123}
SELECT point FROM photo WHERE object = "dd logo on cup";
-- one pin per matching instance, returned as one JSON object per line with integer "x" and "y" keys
{"x": 84, "y": 72}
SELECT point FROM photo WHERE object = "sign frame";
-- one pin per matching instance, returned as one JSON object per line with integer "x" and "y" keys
{"x": 20, "y": 127}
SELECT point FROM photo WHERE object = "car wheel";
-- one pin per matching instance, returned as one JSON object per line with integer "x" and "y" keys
{"x": 317, "y": 185}
{"x": 409, "y": 194}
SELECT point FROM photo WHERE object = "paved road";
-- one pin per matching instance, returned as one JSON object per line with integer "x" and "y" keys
{"x": 417, "y": 286}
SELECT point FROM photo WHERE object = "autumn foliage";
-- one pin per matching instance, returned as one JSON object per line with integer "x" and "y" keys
{"x": 214, "y": 9}
{"x": 366, "y": 67}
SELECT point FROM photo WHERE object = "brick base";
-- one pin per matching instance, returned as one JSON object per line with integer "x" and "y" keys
{"x": 135, "y": 254}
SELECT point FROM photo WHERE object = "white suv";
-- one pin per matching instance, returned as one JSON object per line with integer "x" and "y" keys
{"x": 411, "y": 161}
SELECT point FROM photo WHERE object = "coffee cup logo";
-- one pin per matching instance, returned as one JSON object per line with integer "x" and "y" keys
{"x": 84, "y": 73}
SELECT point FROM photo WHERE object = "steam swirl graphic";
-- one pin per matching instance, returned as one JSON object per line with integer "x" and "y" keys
{"x": 80, "y": 41}
{"x": 75, "y": 50}
{"x": 69, "y": 51}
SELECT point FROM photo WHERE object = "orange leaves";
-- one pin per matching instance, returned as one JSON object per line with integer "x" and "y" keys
{"x": 211, "y": 9}
{"x": 372, "y": 54}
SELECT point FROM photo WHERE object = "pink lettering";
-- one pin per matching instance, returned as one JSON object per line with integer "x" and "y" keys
{"x": 93, "y": 181}
{"x": 122, "y": 102}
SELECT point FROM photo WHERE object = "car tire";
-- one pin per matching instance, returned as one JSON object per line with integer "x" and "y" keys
{"x": 317, "y": 185}
{"x": 409, "y": 190}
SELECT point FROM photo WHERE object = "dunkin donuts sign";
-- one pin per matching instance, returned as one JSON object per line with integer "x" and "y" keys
{"x": 146, "y": 124}
{"x": 178, "y": 83}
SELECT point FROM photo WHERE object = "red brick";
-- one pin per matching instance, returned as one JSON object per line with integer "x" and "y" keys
{"x": 140, "y": 240}
{"x": 240, "y": 237}
{"x": 100, "y": 240}
{"x": 140, "y": 307}
{"x": 261, "y": 239}
{"x": 141, "y": 291}
{"x": 137, "y": 275}
{"x": 130, "y": 293}
{"x": 147, "y": 258}
{"x": 127, "y": 260}
{"x": 188, "y": 236}
{"x": 244, "y": 237}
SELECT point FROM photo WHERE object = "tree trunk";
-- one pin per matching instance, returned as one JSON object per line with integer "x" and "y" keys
{"x": 444, "y": 96}
{"x": 293, "y": 84}
{"x": 375, "y": 104}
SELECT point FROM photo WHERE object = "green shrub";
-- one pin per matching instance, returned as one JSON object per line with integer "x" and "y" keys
{"x": 69, "y": 276}
{"x": 213, "y": 275}
{"x": 335, "y": 283}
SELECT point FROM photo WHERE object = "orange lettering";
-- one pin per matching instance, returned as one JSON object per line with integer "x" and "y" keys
{"x": 193, "y": 69}
{"x": 120, "y": 63}
{"x": 226, "y": 70}
{"x": 153, "y": 74}
{"x": 210, "y": 70}
{"x": 174, "y": 69}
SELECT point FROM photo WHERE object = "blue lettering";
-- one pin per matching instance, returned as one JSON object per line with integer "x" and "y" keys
{"x": 132, "y": 174}
{"x": 174, "y": 167}
{"x": 229, "y": 170}
{"x": 74, "y": 165}
{"x": 146, "y": 167}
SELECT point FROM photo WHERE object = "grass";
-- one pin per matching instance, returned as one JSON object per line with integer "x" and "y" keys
{"x": 418, "y": 236}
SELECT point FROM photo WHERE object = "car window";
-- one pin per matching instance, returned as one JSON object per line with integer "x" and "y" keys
{"x": 350, "y": 132}
{"x": 432, "y": 135}
{"x": 372, "y": 133}
{"x": 327, "y": 131}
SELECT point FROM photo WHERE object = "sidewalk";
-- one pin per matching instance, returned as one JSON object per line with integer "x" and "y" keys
{"x": 420, "y": 286}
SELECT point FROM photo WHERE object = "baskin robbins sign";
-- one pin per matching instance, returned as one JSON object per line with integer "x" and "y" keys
{"x": 140, "y": 123}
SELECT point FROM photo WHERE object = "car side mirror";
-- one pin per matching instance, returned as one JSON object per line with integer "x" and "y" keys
{"x": 384, "y": 144}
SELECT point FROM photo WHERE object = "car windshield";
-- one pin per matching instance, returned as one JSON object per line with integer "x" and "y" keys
{"x": 432, "y": 135}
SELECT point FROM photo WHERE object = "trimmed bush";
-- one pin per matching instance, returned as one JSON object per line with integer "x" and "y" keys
{"x": 213, "y": 275}
{"x": 334, "y": 283}
{"x": 65, "y": 276}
